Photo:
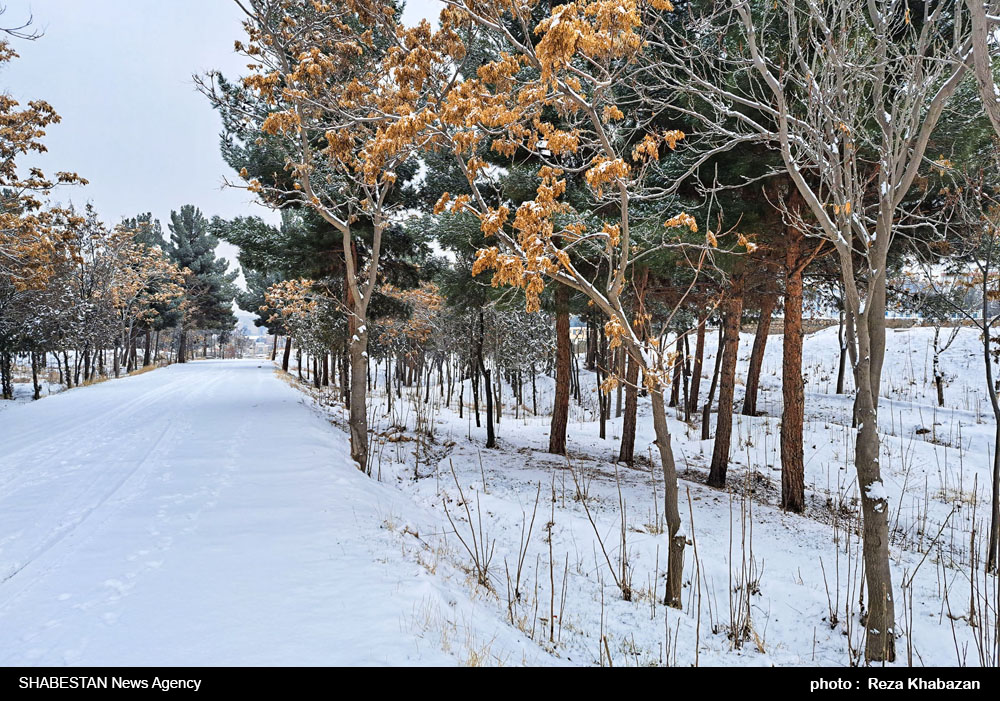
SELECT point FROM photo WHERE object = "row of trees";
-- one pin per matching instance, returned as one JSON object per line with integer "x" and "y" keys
{"x": 92, "y": 296}
{"x": 652, "y": 170}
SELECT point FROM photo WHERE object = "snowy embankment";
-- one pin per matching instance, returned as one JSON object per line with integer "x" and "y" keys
{"x": 202, "y": 515}
{"x": 764, "y": 587}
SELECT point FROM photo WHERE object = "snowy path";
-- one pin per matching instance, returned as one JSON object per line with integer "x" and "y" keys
{"x": 198, "y": 514}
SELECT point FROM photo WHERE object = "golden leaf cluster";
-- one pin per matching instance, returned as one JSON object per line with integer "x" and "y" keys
{"x": 685, "y": 220}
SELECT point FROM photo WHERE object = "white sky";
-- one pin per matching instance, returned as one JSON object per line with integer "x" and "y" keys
{"x": 119, "y": 73}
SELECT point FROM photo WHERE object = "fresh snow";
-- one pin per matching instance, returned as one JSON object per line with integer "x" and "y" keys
{"x": 210, "y": 514}
{"x": 200, "y": 514}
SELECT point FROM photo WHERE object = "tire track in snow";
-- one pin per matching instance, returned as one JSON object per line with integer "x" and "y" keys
{"x": 49, "y": 443}
{"x": 173, "y": 426}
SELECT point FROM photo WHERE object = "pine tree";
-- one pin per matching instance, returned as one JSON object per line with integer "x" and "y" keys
{"x": 208, "y": 285}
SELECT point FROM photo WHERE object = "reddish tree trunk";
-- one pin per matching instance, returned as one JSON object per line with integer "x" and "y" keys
{"x": 733, "y": 311}
{"x": 699, "y": 356}
{"x": 792, "y": 391}
{"x": 626, "y": 453}
{"x": 560, "y": 409}
{"x": 757, "y": 356}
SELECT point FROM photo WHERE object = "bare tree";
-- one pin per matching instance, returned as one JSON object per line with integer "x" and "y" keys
{"x": 848, "y": 93}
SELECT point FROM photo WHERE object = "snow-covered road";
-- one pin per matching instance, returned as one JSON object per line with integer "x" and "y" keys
{"x": 198, "y": 514}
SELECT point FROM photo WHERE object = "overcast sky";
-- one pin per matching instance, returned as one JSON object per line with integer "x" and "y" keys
{"x": 119, "y": 73}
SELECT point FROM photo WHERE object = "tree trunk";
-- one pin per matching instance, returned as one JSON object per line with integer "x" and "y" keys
{"x": 686, "y": 377}
{"x": 358, "y": 419}
{"x": 603, "y": 399}
{"x": 591, "y": 345}
{"x": 676, "y": 538}
{"x": 287, "y": 354}
{"x": 881, "y": 624}
{"x": 842, "y": 337}
{"x": 69, "y": 370}
{"x": 792, "y": 390}
{"x": 724, "y": 422}
{"x": 619, "y": 356}
{"x": 699, "y": 356}
{"x": 182, "y": 347}
{"x": 626, "y": 452}
{"x": 757, "y": 356}
{"x": 675, "y": 390}
{"x": 938, "y": 379}
{"x": 6, "y": 375}
{"x": 491, "y": 439}
{"x": 991, "y": 389}
{"x": 706, "y": 412}
{"x": 274, "y": 348}
{"x": 147, "y": 353}
{"x": 870, "y": 332}
{"x": 991, "y": 553}
{"x": 475, "y": 391}
{"x": 34, "y": 377}
{"x": 534, "y": 392}
{"x": 560, "y": 407}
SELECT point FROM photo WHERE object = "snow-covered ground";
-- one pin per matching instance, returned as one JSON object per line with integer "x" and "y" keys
{"x": 805, "y": 602}
{"x": 201, "y": 514}
{"x": 210, "y": 514}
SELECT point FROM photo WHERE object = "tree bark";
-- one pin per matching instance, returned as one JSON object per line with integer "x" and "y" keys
{"x": 675, "y": 390}
{"x": 881, "y": 644}
{"x": 991, "y": 389}
{"x": 626, "y": 452}
{"x": 724, "y": 423}
{"x": 34, "y": 377}
{"x": 757, "y": 356}
{"x": 706, "y": 412}
{"x": 842, "y": 338}
{"x": 358, "y": 417}
{"x": 287, "y": 354}
{"x": 560, "y": 407}
{"x": 792, "y": 390}
{"x": 870, "y": 330}
{"x": 994, "y": 542}
{"x": 675, "y": 535}
{"x": 491, "y": 439}
{"x": 619, "y": 356}
{"x": 699, "y": 356}
{"x": 6, "y": 375}
{"x": 475, "y": 390}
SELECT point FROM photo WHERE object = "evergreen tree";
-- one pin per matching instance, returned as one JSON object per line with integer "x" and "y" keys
{"x": 208, "y": 284}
